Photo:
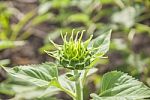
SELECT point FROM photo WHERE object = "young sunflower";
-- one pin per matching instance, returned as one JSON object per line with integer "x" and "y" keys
{"x": 75, "y": 54}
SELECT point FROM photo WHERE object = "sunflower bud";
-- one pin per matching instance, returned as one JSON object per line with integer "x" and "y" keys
{"x": 77, "y": 55}
{"x": 73, "y": 54}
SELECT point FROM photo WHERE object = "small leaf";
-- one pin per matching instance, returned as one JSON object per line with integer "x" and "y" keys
{"x": 100, "y": 45}
{"x": 120, "y": 86}
{"x": 39, "y": 75}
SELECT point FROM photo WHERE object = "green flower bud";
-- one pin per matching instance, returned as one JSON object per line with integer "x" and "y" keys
{"x": 73, "y": 54}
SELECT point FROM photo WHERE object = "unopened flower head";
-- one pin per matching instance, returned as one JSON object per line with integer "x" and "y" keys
{"x": 73, "y": 54}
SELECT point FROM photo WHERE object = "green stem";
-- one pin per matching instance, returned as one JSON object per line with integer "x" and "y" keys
{"x": 68, "y": 92}
{"x": 79, "y": 87}
{"x": 84, "y": 76}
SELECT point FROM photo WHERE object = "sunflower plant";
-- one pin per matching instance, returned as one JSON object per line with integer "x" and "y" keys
{"x": 79, "y": 58}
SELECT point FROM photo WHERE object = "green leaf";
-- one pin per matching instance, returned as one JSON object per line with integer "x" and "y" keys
{"x": 62, "y": 84}
{"x": 33, "y": 92}
{"x": 121, "y": 86}
{"x": 79, "y": 17}
{"x": 66, "y": 83}
{"x": 6, "y": 89}
{"x": 19, "y": 26}
{"x": 40, "y": 75}
{"x": 42, "y": 18}
{"x": 100, "y": 45}
{"x": 10, "y": 44}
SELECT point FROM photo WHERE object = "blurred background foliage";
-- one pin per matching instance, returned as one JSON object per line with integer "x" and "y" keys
{"x": 27, "y": 25}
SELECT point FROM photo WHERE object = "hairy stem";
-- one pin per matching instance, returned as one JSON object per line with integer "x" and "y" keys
{"x": 79, "y": 87}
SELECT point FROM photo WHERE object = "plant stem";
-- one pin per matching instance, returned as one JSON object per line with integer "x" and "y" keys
{"x": 79, "y": 87}
{"x": 84, "y": 76}
{"x": 68, "y": 92}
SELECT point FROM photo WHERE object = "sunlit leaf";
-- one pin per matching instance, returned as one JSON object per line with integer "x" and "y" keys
{"x": 100, "y": 45}
{"x": 40, "y": 75}
{"x": 33, "y": 92}
{"x": 121, "y": 86}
